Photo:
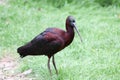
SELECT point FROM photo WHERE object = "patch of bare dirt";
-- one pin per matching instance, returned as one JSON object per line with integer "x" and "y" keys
{"x": 2, "y": 2}
{"x": 8, "y": 65}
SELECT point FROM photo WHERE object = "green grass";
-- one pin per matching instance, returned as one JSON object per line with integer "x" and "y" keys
{"x": 98, "y": 58}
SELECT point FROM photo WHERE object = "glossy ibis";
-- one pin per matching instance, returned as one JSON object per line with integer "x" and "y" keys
{"x": 50, "y": 42}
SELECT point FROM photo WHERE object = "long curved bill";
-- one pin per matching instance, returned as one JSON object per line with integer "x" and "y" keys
{"x": 78, "y": 33}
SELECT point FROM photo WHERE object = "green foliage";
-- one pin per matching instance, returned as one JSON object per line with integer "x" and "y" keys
{"x": 57, "y": 3}
{"x": 62, "y": 3}
{"x": 108, "y": 2}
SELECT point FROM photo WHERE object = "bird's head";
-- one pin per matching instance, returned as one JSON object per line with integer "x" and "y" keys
{"x": 70, "y": 21}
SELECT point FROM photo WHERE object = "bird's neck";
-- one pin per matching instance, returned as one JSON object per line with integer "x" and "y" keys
{"x": 69, "y": 34}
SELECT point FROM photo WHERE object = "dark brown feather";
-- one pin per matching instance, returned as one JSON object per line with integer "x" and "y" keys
{"x": 46, "y": 43}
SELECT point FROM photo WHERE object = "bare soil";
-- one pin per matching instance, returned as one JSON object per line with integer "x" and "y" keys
{"x": 8, "y": 66}
{"x": 2, "y": 2}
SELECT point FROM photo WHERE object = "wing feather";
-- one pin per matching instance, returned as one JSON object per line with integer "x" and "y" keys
{"x": 45, "y": 43}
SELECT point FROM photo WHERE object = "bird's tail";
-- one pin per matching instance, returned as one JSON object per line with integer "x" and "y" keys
{"x": 24, "y": 50}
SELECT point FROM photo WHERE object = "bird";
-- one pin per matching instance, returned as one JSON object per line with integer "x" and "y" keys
{"x": 50, "y": 41}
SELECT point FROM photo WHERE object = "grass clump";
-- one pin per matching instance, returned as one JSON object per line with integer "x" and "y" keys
{"x": 105, "y": 3}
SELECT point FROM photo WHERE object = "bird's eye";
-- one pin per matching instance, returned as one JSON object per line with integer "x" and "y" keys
{"x": 73, "y": 21}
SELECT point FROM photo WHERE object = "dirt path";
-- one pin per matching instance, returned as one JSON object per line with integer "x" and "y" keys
{"x": 2, "y": 2}
{"x": 8, "y": 65}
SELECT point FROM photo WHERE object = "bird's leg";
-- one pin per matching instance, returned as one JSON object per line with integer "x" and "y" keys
{"x": 49, "y": 65}
{"x": 54, "y": 65}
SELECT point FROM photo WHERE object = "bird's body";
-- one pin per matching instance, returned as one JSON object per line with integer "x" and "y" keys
{"x": 49, "y": 42}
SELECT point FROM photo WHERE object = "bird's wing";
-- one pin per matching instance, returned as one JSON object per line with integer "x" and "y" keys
{"x": 47, "y": 43}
